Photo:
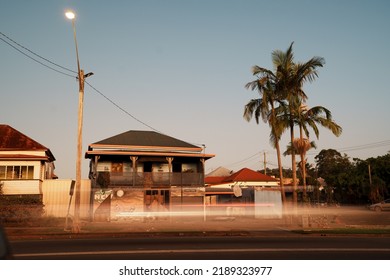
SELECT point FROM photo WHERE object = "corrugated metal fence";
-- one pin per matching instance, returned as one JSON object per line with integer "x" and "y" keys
{"x": 57, "y": 198}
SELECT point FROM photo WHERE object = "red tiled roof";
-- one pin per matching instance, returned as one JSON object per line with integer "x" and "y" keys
{"x": 249, "y": 175}
{"x": 243, "y": 175}
{"x": 13, "y": 140}
{"x": 212, "y": 180}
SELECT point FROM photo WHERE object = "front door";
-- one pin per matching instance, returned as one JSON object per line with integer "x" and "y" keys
{"x": 157, "y": 200}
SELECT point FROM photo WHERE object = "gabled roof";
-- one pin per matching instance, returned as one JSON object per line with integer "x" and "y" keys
{"x": 220, "y": 172}
{"x": 145, "y": 143}
{"x": 134, "y": 138}
{"x": 13, "y": 140}
{"x": 249, "y": 175}
{"x": 214, "y": 180}
{"x": 243, "y": 175}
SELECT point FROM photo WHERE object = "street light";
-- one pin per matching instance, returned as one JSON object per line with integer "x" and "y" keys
{"x": 76, "y": 218}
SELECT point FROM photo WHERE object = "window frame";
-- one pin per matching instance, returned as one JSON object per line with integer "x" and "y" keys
{"x": 16, "y": 172}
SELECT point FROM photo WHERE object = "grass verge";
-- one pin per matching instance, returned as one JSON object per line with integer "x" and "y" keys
{"x": 346, "y": 231}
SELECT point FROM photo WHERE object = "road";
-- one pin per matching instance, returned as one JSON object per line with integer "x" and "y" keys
{"x": 289, "y": 247}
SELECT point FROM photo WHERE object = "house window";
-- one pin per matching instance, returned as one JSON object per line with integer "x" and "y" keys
{"x": 16, "y": 172}
{"x": 2, "y": 172}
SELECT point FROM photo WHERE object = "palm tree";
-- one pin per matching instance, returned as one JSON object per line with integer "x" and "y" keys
{"x": 264, "y": 107}
{"x": 290, "y": 79}
{"x": 284, "y": 87}
{"x": 310, "y": 118}
{"x": 301, "y": 146}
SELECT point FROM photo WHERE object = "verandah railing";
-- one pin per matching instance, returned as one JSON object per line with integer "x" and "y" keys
{"x": 153, "y": 179}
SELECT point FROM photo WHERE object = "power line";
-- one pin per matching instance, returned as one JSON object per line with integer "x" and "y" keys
{"x": 43, "y": 64}
{"x": 66, "y": 74}
{"x": 120, "y": 108}
{"x": 362, "y": 147}
{"x": 244, "y": 160}
{"x": 366, "y": 146}
{"x": 346, "y": 149}
{"x": 354, "y": 148}
{"x": 30, "y": 51}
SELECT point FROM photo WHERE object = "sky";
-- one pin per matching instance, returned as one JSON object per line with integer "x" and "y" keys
{"x": 180, "y": 67}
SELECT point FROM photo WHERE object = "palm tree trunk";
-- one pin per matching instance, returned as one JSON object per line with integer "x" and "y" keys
{"x": 294, "y": 168}
{"x": 277, "y": 146}
{"x": 303, "y": 162}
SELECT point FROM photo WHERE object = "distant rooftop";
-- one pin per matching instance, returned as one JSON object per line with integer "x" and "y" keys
{"x": 220, "y": 172}
{"x": 243, "y": 175}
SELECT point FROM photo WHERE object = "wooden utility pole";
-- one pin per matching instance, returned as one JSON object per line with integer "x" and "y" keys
{"x": 77, "y": 198}
{"x": 369, "y": 174}
{"x": 80, "y": 75}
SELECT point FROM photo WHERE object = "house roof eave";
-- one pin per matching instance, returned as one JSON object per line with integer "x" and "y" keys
{"x": 90, "y": 154}
{"x": 107, "y": 147}
{"x": 16, "y": 157}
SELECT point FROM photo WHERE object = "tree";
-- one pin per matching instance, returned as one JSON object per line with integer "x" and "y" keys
{"x": 374, "y": 175}
{"x": 359, "y": 181}
{"x": 264, "y": 107}
{"x": 310, "y": 117}
{"x": 364, "y": 185}
{"x": 381, "y": 169}
{"x": 336, "y": 170}
{"x": 301, "y": 146}
{"x": 291, "y": 76}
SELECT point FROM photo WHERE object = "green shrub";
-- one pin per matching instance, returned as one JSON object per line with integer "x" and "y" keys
{"x": 20, "y": 209}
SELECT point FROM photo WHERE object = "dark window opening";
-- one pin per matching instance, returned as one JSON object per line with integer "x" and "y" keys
{"x": 176, "y": 167}
{"x": 147, "y": 167}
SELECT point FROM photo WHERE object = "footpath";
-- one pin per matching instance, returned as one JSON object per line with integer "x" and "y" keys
{"x": 221, "y": 226}
{"x": 322, "y": 222}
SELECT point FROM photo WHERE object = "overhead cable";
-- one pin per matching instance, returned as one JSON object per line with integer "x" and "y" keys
{"x": 12, "y": 44}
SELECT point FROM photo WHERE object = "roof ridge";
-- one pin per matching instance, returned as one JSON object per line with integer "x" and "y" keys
{"x": 14, "y": 138}
{"x": 145, "y": 138}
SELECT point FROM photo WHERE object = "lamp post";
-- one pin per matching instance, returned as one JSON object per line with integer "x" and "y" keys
{"x": 76, "y": 218}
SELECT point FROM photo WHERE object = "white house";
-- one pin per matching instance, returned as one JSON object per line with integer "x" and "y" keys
{"x": 245, "y": 191}
{"x": 24, "y": 163}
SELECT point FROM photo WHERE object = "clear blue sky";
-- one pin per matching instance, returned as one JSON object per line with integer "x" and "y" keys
{"x": 180, "y": 66}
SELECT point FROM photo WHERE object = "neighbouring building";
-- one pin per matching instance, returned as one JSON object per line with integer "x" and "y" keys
{"x": 137, "y": 172}
{"x": 24, "y": 163}
{"x": 245, "y": 192}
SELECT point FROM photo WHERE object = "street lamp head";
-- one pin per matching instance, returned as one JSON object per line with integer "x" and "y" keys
{"x": 70, "y": 15}
{"x": 88, "y": 75}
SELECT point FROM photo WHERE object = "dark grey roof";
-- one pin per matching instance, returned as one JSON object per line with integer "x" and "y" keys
{"x": 145, "y": 139}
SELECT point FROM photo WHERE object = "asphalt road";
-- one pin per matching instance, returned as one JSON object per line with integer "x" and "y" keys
{"x": 299, "y": 247}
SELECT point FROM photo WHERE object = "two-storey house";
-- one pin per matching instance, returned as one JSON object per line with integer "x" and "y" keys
{"x": 146, "y": 171}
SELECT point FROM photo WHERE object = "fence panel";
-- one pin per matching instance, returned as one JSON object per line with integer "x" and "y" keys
{"x": 56, "y": 198}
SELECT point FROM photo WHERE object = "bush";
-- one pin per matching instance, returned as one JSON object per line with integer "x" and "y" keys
{"x": 20, "y": 209}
